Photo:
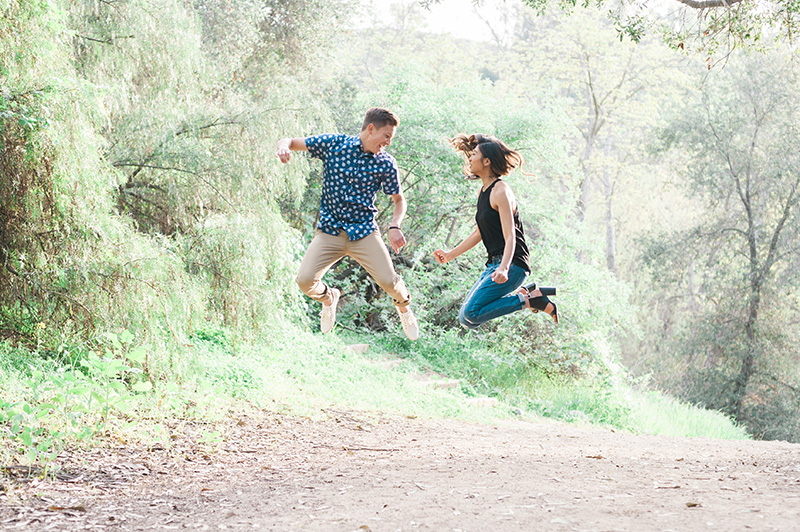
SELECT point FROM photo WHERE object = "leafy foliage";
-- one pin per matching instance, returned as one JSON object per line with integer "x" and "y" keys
{"x": 61, "y": 405}
{"x": 709, "y": 25}
{"x": 741, "y": 163}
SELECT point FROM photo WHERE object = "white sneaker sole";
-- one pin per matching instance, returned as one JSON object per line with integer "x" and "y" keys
{"x": 326, "y": 322}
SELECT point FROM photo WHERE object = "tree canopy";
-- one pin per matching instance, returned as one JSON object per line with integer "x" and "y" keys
{"x": 713, "y": 26}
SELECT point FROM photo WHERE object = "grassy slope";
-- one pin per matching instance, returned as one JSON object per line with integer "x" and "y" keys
{"x": 305, "y": 372}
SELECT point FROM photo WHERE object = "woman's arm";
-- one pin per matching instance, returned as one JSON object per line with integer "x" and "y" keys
{"x": 502, "y": 200}
{"x": 468, "y": 243}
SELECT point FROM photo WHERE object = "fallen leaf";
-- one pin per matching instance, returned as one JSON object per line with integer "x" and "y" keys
{"x": 79, "y": 508}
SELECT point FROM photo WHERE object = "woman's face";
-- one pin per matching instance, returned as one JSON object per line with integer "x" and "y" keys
{"x": 477, "y": 162}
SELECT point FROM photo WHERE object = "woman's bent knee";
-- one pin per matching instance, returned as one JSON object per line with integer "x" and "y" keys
{"x": 467, "y": 324}
{"x": 465, "y": 321}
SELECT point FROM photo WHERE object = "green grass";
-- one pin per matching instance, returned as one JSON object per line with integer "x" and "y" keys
{"x": 581, "y": 402}
{"x": 655, "y": 413}
{"x": 305, "y": 373}
{"x": 299, "y": 372}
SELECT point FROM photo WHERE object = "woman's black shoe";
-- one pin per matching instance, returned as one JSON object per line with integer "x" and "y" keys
{"x": 546, "y": 290}
{"x": 540, "y": 303}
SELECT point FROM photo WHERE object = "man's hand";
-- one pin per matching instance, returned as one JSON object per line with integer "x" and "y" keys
{"x": 283, "y": 153}
{"x": 397, "y": 239}
{"x": 287, "y": 145}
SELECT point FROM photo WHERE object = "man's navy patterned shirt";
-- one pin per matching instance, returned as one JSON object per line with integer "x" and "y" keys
{"x": 351, "y": 179}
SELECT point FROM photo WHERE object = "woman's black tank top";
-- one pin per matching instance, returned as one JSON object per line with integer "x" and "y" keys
{"x": 491, "y": 229}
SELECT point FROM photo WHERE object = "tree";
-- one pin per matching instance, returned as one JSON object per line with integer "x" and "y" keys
{"x": 613, "y": 93}
{"x": 740, "y": 142}
{"x": 150, "y": 111}
{"x": 708, "y": 25}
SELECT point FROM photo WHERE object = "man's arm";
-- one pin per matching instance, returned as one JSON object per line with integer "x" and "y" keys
{"x": 287, "y": 145}
{"x": 396, "y": 236}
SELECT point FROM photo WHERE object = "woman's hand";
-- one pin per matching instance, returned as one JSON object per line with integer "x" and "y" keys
{"x": 500, "y": 275}
{"x": 441, "y": 256}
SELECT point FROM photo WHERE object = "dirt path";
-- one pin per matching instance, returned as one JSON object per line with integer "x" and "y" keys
{"x": 360, "y": 472}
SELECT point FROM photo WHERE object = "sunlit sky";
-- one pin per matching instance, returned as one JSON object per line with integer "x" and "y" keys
{"x": 457, "y": 17}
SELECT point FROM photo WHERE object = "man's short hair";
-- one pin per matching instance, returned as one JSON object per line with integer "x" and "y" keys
{"x": 380, "y": 117}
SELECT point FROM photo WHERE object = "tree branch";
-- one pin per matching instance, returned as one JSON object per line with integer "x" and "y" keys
{"x": 107, "y": 41}
{"x": 708, "y": 4}
{"x": 791, "y": 202}
{"x": 182, "y": 170}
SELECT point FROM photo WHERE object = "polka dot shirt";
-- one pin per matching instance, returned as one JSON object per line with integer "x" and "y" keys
{"x": 351, "y": 179}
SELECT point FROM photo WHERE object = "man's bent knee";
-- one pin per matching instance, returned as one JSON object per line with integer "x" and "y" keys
{"x": 395, "y": 287}
{"x": 306, "y": 284}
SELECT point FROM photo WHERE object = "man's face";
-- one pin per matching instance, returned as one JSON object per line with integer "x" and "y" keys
{"x": 374, "y": 140}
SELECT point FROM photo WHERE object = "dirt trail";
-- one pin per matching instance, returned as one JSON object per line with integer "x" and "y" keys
{"x": 363, "y": 472}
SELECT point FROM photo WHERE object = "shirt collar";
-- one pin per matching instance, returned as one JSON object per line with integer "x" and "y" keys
{"x": 355, "y": 142}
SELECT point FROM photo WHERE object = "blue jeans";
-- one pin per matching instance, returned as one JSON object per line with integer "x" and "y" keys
{"x": 488, "y": 300}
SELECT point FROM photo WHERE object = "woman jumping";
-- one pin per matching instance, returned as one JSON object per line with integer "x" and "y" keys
{"x": 499, "y": 289}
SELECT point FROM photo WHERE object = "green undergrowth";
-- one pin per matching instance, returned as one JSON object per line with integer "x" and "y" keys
{"x": 655, "y": 413}
{"x": 106, "y": 394}
{"x": 304, "y": 373}
{"x": 604, "y": 397}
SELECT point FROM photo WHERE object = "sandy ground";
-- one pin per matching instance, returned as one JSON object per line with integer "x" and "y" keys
{"x": 354, "y": 471}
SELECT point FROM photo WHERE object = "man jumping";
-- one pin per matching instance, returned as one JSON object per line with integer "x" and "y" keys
{"x": 354, "y": 169}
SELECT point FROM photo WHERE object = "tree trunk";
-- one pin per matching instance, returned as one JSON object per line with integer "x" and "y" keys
{"x": 594, "y": 122}
{"x": 748, "y": 361}
{"x": 608, "y": 191}
{"x": 583, "y": 200}
{"x": 611, "y": 242}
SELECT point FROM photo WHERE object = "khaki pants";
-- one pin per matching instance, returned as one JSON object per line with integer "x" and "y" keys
{"x": 370, "y": 252}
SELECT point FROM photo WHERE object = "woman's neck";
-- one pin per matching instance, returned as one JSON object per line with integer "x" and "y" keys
{"x": 487, "y": 180}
